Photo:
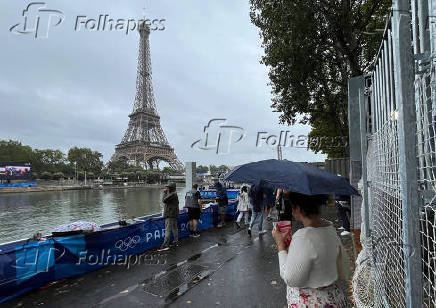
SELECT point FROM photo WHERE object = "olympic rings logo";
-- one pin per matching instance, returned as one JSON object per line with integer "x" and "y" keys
{"x": 128, "y": 242}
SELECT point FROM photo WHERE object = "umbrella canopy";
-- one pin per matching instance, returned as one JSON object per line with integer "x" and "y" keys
{"x": 303, "y": 178}
{"x": 77, "y": 226}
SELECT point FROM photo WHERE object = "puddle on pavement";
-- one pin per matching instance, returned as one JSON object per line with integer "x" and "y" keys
{"x": 173, "y": 279}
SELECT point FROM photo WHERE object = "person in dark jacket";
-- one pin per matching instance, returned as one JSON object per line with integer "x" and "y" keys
{"x": 269, "y": 200}
{"x": 223, "y": 201}
{"x": 170, "y": 213}
{"x": 256, "y": 194}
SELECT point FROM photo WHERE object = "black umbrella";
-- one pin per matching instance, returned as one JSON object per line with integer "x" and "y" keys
{"x": 303, "y": 178}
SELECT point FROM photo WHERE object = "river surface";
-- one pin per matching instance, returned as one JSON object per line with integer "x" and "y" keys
{"x": 24, "y": 214}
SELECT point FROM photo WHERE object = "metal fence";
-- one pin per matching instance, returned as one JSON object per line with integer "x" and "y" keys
{"x": 397, "y": 101}
{"x": 426, "y": 154}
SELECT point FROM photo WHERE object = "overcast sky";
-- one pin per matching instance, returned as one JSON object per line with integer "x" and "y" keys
{"x": 77, "y": 88}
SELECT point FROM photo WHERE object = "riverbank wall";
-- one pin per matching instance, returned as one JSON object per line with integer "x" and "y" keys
{"x": 43, "y": 188}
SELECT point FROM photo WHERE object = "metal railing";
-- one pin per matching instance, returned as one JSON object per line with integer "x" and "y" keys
{"x": 398, "y": 148}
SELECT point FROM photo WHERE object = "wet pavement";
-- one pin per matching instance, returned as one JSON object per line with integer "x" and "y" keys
{"x": 224, "y": 267}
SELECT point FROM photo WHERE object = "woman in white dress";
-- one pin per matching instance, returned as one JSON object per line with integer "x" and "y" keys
{"x": 315, "y": 259}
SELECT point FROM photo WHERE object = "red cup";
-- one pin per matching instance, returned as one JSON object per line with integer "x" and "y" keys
{"x": 283, "y": 227}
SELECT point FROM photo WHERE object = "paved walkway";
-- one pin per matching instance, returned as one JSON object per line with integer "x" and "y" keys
{"x": 223, "y": 267}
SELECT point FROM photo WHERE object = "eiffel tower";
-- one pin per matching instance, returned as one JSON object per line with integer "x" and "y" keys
{"x": 144, "y": 143}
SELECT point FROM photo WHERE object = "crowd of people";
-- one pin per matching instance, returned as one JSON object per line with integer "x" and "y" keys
{"x": 313, "y": 262}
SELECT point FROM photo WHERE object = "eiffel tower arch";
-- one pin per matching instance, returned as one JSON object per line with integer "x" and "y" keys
{"x": 144, "y": 142}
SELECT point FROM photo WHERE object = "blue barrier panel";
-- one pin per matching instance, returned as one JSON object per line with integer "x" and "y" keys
{"x": 18, "y": 185}
{"x": 27, "y": 265}
{"x": 211, "y": 194}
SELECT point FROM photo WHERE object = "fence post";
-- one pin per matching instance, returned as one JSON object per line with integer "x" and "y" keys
{"x": 364, "y": 149}
{"x": 354, "y": 84}
{"x": 404, "y": 96}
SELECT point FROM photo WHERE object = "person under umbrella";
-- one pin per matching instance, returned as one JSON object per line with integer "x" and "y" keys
{"x": 243, "y": 206}
{"x": 256, "y": 193}
{"x": 223, "y": 201}
{"x": 315, "y": 259}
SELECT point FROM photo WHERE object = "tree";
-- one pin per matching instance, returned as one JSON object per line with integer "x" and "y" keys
{"x": 58, "y": 176}
{"x": 213, "y": 170}
{"x": 49, "y": 160}
{"x": 86, "y": 159}
{"x": 118, "y": 165}
{"x": 311, "y": 49}
{"x": 46, "y": 175}
{"x": 11, "y": 150}
{"x": 152, "y": 176}
{"x": 216, "y": 171}
{"x": 223, "y": 169}
{"x": 169, "y": 171}
{"x": 202, "y": 169}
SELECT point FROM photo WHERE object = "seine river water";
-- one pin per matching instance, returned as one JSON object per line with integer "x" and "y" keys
{"x": 24, "y": 214}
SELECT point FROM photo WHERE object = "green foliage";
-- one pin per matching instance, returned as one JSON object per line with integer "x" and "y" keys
{"x": 53, "y": 164}
{"x": 202, "y": 169}
{"x": 48, "y": 162}
{"x": 118, "y": 165}
{"x": 14, "y": 151}
{"x": 46, "y": 175}
{"x": 169, "y": 171}
{"x": 86, "y": 159}
{"x": 153, "y": 177}
{"x": 58, "y": 176}
{"x": 216, "y": 171}
{"x": 311, "y": 49}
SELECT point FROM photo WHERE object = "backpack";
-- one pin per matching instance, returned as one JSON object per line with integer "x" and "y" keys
{"x": 190, "y": 199}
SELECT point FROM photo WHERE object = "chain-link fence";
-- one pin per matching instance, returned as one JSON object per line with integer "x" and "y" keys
{"x": 426, "y": 154}
{"x": 386, "y": 216}
{"x": 398, "y": 107}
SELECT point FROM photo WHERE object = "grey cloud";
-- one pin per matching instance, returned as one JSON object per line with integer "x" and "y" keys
{"x": 78, "y": 88}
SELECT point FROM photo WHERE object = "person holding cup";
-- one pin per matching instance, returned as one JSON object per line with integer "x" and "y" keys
{"x": 315, "y": 258}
